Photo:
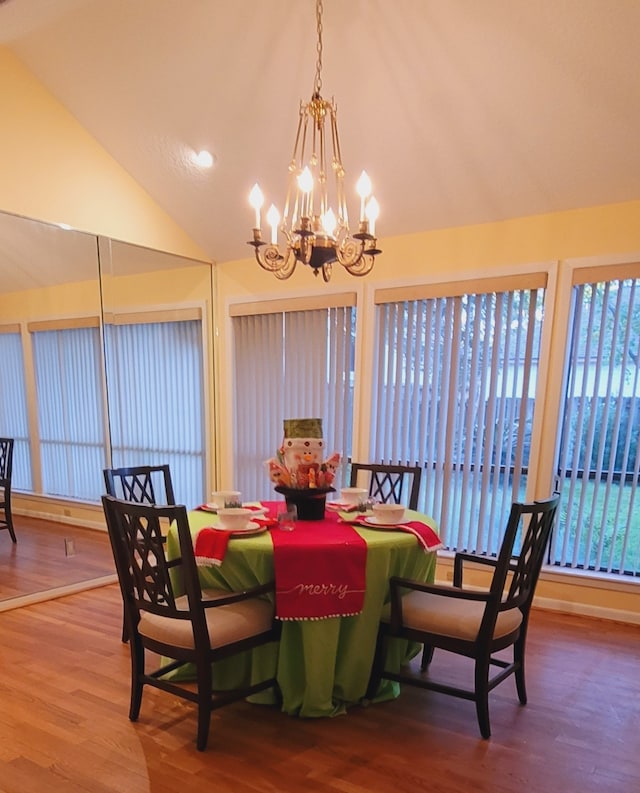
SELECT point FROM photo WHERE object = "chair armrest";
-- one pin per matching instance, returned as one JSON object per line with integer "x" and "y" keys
{"x": 396, "y": 584}
{"x": 235, "y": 597}
{"x": 462, "y": 556}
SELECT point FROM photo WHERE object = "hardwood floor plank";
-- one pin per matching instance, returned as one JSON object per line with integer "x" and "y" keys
{"x": 64, "y": 687}
{"x": 39, "y": 560}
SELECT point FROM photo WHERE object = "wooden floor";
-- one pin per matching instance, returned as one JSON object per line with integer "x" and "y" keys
{"x": 63, "y": 721}
{"x": 42, "y": 560}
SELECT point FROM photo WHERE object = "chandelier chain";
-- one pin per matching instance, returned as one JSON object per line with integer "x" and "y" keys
{"x": 318, "y": 84}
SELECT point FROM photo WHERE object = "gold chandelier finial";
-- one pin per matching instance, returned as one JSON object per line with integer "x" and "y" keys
{"x": 314, "y": 227}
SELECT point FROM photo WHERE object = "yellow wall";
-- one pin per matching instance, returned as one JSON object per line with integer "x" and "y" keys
{"x": 68, "y": 300}
{"x": 53, "y": 170}
{"x": 464, "y": 251}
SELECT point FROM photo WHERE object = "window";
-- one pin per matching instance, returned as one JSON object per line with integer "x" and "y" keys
{"x": 599, "y": 457}
{"x": 289, "y": 364}
{"x": 70, "y": 409}
{"x": 13, "y": 405}
{"x": 156, "y": 397}
{"x": 454, "y": 391}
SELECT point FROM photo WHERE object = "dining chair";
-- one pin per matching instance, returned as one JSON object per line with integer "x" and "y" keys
{"x": 6, "y": 467}
{"x": 390, "y": 482}
{"x": 142, "y": 484}
{"x": 200, "y": 627}
{"x": 469, "y": 622}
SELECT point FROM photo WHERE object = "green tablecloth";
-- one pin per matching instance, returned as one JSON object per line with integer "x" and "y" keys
{"x": 322, "y": 666}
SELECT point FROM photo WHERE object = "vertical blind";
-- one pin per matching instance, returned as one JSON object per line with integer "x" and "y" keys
{"x": 290, "y": 364}
{"x": 70, "y": 411}
{"x": 599, "y": 458}
{"x": 13, "y": 407}
{"x": 156, "y": 400}
{"x": 454, "y": 386}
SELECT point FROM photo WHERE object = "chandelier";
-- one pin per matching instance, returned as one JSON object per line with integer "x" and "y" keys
{"x": 314, "y": 227}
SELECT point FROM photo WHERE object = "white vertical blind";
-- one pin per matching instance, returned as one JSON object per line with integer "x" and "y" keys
{"x": 599, "y": 457}
{"x": 13, "y": 408}
{"x": 290, "y": 364}
{"x": 70, "y": 408}
{"x": 454, "y": 384}
{"x": 156, "y": 400}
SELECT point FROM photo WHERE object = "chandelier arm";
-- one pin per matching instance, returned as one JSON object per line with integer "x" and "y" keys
{"x": 268, "y": 257}
{"x": 288, "y": 266}
{"x": 350, "y": 251}
{"x": 363, "y": 266}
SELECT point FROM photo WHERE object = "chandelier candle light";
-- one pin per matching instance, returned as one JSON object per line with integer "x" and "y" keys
{"x": 311, "y": 230}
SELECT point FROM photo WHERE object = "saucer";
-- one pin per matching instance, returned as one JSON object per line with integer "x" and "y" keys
{"x": 250, "y": 528}
{"x": 213, "y": 507}
{"x": 375, "y": 523}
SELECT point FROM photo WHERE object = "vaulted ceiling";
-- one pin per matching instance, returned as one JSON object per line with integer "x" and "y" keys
{"x": 462, "y": 111}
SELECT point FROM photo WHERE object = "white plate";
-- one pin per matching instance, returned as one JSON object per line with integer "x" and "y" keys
{"x": 250, "y": 528}
{"x": 376, "y": 523}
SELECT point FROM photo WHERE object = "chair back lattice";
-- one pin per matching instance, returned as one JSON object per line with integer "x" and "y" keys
{"x": 529, "y": 527}
{"x": 391, "y": 483}
{"x": 6, "y": 461}
{"x": 142, "y": 484}
{"x": 138, "y": 545}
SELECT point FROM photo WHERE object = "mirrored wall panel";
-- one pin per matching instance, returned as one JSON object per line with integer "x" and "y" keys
{"x": 106, "y": 350}
{"x": 157, "y": 332}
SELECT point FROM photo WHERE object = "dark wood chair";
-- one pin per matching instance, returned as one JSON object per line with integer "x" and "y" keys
{"x": 476, "y": 624}
{"x": 390, "y": 483}
{"x": 6, "y": 468}
{"x": 200, "y": 627}
{"x": 141, "y": 484}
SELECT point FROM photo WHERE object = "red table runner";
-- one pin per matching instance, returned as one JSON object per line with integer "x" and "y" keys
{"x": 320, "y": 569}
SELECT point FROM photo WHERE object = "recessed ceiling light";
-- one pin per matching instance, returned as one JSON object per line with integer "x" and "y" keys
{"x": 203, "y": 158}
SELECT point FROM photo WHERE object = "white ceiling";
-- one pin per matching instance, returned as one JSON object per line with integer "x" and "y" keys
{"x": 462, "y": 111}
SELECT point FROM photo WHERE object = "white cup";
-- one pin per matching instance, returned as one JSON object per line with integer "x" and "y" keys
{"x": 234, "y": 518}
{"x": 228, "y": 498}
{"x": 389, "y": 513}
{"x": 354, "y": 495}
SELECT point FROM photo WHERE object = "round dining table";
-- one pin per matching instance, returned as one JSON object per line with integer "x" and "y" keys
{"x": 322, "y": 666}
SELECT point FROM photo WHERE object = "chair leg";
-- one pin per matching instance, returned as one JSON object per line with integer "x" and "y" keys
{"x": 125, "y": 629}
{"x": 482, "y": 695}
{"x": 9, "y": 521}
{"x": 427, "y": 657}
{"x": 518, "y": 657}
{"x": 137, "y": 671}
{"x": 204, "y": 678}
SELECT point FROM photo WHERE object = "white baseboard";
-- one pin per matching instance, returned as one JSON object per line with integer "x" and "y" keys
{"x": 66, "y": 519}
{"x": 586, "y": 610}
{"x": 57, "y": 592}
